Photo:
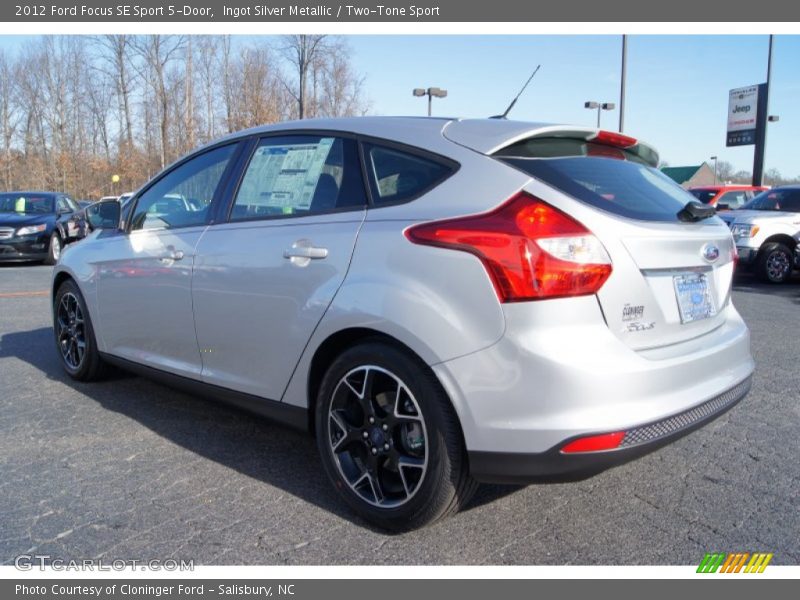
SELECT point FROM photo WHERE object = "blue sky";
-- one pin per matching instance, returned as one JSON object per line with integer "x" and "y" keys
{"x": 677, "y": 92}
{"x": 677, "y": 86}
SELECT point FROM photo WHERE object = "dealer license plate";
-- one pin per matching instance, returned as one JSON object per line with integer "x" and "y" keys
{"x": 694, "y": 297}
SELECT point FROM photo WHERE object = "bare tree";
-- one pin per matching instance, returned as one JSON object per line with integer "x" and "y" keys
{"x": 75, "y": 110}
{"x": 9, "y": 114}
{"x": 338, "y": 89}
{"x": 301, "y": 51}
{"x": 158, "y": 52}
{"x": 115, "y": 52}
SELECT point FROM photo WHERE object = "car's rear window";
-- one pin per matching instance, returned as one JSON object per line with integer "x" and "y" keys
{"x": 705, "y": 196}
{"x": 608, "y": 178}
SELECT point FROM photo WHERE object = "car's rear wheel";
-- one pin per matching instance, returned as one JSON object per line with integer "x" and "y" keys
{"x": 389, "y": 438}
{"x": 775, "y": 263}
{"x": 54, "y": 249}
{"x": 74, "y": 335}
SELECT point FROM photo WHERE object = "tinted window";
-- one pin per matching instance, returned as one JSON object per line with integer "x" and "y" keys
{"x": 705, "y": 196}
{"x": 182, "y": 197}
{"x": 786, "y": 200}
{"x": 733, "y": 199}
{"x": 27, "y": 203}
{"x": 299, "y": 176}
{"x": 608, "y": 178}
{"x": 396, "y": 176}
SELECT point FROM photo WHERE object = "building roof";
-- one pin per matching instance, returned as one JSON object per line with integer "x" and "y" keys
{"x": 681, "y": 174}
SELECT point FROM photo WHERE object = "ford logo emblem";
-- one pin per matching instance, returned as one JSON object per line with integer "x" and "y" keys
{"x": 710, "y": 252}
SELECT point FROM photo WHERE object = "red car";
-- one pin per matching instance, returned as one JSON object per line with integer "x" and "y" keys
{"x": 726, "y": 197}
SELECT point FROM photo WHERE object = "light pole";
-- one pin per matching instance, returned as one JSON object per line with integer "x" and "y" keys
{"x": 599, "y": 106}
{"x": 714, "y": 158}
{"x": 431, "y": 93}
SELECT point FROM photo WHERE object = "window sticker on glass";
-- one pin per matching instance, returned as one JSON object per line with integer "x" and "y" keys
{"x": 282, "y": 179}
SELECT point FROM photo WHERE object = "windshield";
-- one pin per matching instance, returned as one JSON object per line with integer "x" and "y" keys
{"x": 784, "y": 200}
{"x": 26, "y": 204}
{"x": 705, "y": 196}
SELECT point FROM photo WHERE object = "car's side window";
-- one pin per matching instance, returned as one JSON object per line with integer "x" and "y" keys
{"x": 733, "y": 199}
{"x": 64, "y": 205}
{"x": 300, "y": 175}
{"x": 182, "y": 197}
{"x": 397, "y": 176}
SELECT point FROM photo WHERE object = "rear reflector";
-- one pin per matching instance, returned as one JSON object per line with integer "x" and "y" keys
{"x": 531, "y": 250}
{"x": 610, "y": 138}
{"x": 594, "y": 443}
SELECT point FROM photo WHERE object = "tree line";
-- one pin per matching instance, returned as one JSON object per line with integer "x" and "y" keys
{"x": 727, "y": 173}
{"x": 75, "y": 110}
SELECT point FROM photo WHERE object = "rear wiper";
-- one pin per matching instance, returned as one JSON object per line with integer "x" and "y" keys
{"x": 696, "y": 211}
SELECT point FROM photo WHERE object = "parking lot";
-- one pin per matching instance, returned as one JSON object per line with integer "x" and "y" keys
{"x": 128, "y": 469}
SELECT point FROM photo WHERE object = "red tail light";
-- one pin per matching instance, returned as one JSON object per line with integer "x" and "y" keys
{"x": 531, "y": 250}
{"x": 610, "y": 138}
{"x": 595, "y": 443}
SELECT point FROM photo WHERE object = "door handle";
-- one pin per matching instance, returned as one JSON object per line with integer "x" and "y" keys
{"x": 173, "y": 256}
{"x": 305, "y": 252}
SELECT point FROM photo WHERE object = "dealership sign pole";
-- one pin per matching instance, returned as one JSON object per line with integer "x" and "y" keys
{"x": 747, "y": 123}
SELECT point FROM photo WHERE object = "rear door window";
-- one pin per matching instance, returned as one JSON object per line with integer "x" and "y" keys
{"x": 399, "y": 176}
{"x": 607, "y": 178}
{"x": 297, "y": 176}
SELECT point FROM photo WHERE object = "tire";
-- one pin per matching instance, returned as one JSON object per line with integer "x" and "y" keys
{"x": 54, "y": 249}
{"x": 421, "y": 468}
{"x": 73, "y": 326}
{"x": 775, "y": 263}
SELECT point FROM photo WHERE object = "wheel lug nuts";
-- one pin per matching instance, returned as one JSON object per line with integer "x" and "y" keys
{"x": 374, "y": 450}
{"x": 385, "y": 427}
{"x": 365, "y": 435}
{"x": 386, "y": 446}
{"x": 371, "y": 420}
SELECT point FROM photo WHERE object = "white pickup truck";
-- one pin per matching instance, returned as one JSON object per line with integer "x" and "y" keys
{"x": 767, "y": 233}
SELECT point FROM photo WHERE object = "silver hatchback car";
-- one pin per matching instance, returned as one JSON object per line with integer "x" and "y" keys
{"x": 441, "y": 301}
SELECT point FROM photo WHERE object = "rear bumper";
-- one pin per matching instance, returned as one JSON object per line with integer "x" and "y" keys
{"x": 564, "y": 375}
{"x": 17, "y": 250}
{"x": 507, "y": 467}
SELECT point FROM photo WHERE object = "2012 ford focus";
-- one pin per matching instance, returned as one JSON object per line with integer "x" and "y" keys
{"x": 442, "y": 302}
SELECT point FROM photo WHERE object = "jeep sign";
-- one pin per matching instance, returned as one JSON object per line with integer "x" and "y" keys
{"x": 742, "y": 111}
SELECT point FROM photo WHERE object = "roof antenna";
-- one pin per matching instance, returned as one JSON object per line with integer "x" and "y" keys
{"x": 514, "y": 101}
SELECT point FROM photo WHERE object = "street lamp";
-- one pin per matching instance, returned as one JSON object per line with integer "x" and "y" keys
{"x": 599, "y": 106}
{"x": 714, "y": 158}
{"x": 431, "y": 93}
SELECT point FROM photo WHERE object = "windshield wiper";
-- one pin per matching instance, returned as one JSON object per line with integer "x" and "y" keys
{"x": 695, "y": 211}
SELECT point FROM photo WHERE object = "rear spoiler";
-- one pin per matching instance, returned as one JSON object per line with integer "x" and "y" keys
{"x": 476, "y": 135}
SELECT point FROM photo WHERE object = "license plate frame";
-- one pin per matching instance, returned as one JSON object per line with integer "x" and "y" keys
{"x": 694, "y": 298}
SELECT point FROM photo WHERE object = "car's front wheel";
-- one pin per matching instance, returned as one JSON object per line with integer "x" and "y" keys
{"x": 74, "y": 334}
{"x": 775, "y": 263}
{"x": 390, "y": 439}
{"x": 54, "y": 249}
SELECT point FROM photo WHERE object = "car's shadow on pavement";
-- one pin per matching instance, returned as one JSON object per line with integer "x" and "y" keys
{"x": 747, "y": 282}
{"x": 247, "y": 443}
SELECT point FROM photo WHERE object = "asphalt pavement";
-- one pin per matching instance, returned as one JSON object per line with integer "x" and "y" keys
{"x": 129, "y": 469}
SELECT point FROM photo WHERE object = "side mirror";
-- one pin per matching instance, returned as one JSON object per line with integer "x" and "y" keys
{"x": 103, "y": 215}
